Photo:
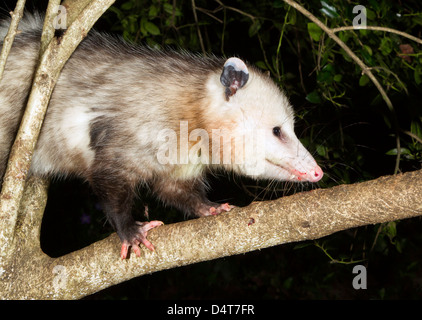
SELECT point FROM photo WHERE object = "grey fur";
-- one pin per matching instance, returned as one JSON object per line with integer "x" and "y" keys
{"x": 110, "y": 104}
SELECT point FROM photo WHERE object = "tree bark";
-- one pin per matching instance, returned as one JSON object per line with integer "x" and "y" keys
{"x": 52, "y": 61}
{"x": 30, "y": 274}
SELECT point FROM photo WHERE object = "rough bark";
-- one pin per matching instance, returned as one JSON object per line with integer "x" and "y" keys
{"x": 52, "y": 61}
{"x": 307, "y": 215}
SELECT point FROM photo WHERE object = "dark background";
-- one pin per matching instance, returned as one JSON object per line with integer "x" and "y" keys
{"x": 341, "y": 119}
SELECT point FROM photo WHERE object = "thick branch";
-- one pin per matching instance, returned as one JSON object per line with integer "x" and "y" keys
{"x": 52, "y": 61}
{"x": 307, "y": 215}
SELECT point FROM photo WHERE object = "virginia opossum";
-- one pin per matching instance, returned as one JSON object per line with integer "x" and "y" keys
{"x": 121, "y": 115}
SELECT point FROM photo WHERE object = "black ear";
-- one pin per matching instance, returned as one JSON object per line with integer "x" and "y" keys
{"x": 234, "y": 76}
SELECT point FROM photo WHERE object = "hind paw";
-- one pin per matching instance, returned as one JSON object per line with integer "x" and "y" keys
{"x": 138, "y": 237}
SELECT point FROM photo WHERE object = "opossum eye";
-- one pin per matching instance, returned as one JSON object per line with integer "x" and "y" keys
{"x": 278, "y": 133}
{"x": 234, "y": 76}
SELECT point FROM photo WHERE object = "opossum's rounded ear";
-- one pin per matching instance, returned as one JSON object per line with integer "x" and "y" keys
{"x": 234, "y": 76}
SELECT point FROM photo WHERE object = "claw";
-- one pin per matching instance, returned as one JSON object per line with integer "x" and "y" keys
{"x": 124, "y": 250}
{"x": 140, "y": 237}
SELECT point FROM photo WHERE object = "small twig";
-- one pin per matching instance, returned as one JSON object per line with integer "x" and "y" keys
{"x": 236, "y": 10}
{"x": 209, "y": 13}
{"x": 333, "y": 260}
{"x": 375, "y": 28}
{"x": 279, "y": 45}
{"x": 414, "y": 136}
{"x": 13, "y": 30}
{"x": 197, "y": 27}
{"x": 394, "y": 75}
{"x": 48, "y": 27}
{"x": 224, "y": 30}
{"x": 302, "y": 83}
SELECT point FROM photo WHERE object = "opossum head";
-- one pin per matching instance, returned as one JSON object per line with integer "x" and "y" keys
{"x": 260, "y": 121}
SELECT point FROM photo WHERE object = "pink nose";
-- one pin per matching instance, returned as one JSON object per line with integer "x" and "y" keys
{"x": 316, "y": 174}
{"x": 313, "y": 175}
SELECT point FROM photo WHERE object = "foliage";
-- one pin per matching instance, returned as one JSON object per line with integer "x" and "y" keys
{"x": 341, "y": 118}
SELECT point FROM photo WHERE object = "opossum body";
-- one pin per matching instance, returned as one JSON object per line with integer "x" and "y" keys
{"x": 121, "y": 115}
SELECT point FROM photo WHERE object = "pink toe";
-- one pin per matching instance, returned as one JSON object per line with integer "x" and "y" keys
{"x": 124, "y": 250}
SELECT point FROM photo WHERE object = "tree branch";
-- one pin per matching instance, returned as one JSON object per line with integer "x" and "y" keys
{"x": 375, "y": 28}
{"x": 11, "y": 33}
{"x": 303, "y": 216}
{"x": 52, "y": 61}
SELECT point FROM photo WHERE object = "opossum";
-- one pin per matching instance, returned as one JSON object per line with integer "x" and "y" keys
{"x": 123, "y": 115}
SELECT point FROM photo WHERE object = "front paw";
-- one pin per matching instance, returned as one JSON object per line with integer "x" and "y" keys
{"x": 214, "y": 209}
{"x": 225, "y": 207}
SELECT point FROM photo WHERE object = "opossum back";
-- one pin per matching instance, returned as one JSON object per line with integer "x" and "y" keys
{"x": 108, "y": 85}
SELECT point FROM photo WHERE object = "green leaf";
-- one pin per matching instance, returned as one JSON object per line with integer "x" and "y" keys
{"x": 367, "y": 57}
{"x": 292, "y": 17}
{"x": 418, "y": 75}
{"x": 386, "y": 46}
{"x": 344, "y": 36}
{"x": 363, "y": 81}
{"x": 391, "y": 230}
{"x": 132, "y": 23}
{"x": 278, "y": 4}
{"x": 374, "y": 4}
{"x": 326, "y": 75}
{"x": 416, "y": 129}
{"x": 322, "y": 151}
{"x": 370, "y": 15}
{"x": 168, "y": 8}
{"x": 363, "y": 32}
{"x": 261, "y": 65}
{"x": 417, "y": 20}
{"x": 254, "y": 28}
{"x": 338, "y": 77}
{"x": 314, "y": 31}
{"x": 313, "y": 97}
{"x": 328, "y": 10}
{"x": 393, "y": 152}
{"x": 153, "y": 11}
{"x": 287, "y": 284}
{"x": 368, "y": 49}
{"x": 117, "y": 11}
{"x": 152, "y": 28}
{"x": 345, "y": 55}
{"x": 127, "y": 5}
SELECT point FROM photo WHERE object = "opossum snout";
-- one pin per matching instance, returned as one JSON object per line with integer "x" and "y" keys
{"x": 315, "y": 174}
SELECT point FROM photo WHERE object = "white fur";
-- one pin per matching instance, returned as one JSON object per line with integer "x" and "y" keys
{"x": 238, "y": 64}
{"x": 254, "y": 111}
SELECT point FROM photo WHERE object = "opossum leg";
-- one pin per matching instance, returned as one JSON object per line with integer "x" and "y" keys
{"x": 189, "y": 197}
{"x": 117, "y": 203}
